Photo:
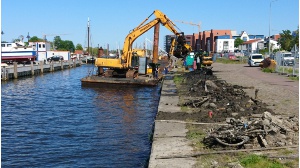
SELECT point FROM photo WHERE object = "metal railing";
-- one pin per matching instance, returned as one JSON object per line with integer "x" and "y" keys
{"x": 284, "y": 67}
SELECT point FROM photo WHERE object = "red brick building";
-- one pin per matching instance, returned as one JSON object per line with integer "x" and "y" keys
{"x": 204, "y": 40}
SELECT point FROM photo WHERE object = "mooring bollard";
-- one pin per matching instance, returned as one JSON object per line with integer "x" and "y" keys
{"x": 15, "y": 70}
{"x": 42, "y": 66}
{"x": 61, "y": 65}
{"x": 32, "y": 68}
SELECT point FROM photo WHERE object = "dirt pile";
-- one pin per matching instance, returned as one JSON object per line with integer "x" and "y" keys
{"x": 205, "y": 98}
{"x": 212, "y": 100}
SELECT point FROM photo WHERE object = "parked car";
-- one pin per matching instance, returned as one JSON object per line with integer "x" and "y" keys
{"x": 255, "y": 59}
{"x": 231, "y": 56}
{"x": 55, "y": 58}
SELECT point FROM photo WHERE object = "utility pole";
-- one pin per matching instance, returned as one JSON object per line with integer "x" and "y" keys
{"x": 270, "y": 28}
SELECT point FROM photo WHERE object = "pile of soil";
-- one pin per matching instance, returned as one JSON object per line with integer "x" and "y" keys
{"x": 212, "y": 100}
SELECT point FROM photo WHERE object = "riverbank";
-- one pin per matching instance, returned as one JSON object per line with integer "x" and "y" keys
{"x": 171, "y": 146}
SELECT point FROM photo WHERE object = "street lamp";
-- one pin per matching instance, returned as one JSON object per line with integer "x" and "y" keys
{"x": 28, "y": 37}
{"x": 270, "y": 27}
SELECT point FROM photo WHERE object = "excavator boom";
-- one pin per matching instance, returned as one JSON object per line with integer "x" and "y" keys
{"x": 126, "y": 58}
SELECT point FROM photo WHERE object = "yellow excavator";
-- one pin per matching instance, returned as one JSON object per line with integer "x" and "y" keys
{"x": 127, "y": 64}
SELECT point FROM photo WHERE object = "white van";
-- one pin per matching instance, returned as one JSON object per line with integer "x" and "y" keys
{"x": 285, "y": 57}
{"x": 255, "y": 59}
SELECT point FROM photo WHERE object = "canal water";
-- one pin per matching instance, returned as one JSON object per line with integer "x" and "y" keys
{"x": 50, "y": 120}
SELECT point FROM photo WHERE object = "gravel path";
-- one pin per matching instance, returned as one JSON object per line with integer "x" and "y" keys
{"x": 279, "y": 92}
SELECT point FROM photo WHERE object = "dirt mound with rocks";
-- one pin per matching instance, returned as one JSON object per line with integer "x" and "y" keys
{"x": 209, "y": 99}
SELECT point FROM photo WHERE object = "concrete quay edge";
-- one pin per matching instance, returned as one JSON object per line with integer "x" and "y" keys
{"x": 169, "y": 138}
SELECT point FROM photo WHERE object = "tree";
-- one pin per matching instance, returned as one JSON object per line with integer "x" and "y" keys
{"x": 57, "y": 42}
{"x": 79, "y": 47}
{"x": 238, "y": 42}
{"x": 68, "y": 46}
{"x": 35, "y": 39}
{"x": 286, "y": 40}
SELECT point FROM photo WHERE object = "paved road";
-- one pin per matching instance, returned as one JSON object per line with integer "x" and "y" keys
{"x": 281, "y": 93}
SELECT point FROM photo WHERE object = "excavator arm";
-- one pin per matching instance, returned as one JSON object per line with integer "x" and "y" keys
{"x": 126, "y": 57}
{"x": 131, "y": 37}
{"x": 141, "y": 29}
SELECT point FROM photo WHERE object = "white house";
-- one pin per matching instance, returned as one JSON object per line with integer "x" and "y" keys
{"x": 224, "y": 44}
{"x": 65, "y": 54}
{"x": 274, "y": 44}
{"x": 253, "y": 46}
{"x": 43, "y": 51}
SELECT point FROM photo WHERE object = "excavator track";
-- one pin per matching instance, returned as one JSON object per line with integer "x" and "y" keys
{"x": 132, "y": 73}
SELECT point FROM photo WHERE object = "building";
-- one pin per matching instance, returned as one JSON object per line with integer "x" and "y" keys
{"x": 43, "y": 51}
{"x": 206, "y": 40}
{"x": 253, "y": 46}
{"x": 223, "y": 44}
{"x": 77, "y": 54}
{"x": 220, "y": 41}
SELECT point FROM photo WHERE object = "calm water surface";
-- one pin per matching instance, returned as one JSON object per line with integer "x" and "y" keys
{"x": 52, "y": 121}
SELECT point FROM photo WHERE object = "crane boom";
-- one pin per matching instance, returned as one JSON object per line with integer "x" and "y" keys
{"x": 190, "y": 23}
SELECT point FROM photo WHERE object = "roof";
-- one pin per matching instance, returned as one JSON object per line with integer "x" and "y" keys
{"x": 78, "y": 52}
{"x": 207, "y": 33}
{"x": 251, "y": 41}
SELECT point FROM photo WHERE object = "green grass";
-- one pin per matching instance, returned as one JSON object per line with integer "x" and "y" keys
{"x": 254, "y": 161}
{"x": 196, "y": 135}
{"x": 268, "y": 70}
{"x": 178, "y": 79}
{"x": 227, "y": 61}
{"x": 296, "y": 78}
{"x": 287, "y": 70}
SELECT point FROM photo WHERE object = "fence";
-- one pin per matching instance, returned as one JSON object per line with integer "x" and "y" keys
{"x": 285, "y": 68}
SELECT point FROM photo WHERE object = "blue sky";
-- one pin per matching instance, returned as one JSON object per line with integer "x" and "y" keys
{"x": 112, "y": 20}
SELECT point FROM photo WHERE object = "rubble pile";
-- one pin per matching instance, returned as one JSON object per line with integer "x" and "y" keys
{"x": 264, "y": 130}
{"x": 207, "y": 94}
{"x": 250, "y": 123}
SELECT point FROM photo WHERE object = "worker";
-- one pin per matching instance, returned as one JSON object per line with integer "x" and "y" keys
{"x": 156, "y": 72}
{"x": 199, "y": 59}
{"x": 166, "y": 70}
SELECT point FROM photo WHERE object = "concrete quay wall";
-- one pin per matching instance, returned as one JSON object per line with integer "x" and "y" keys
{"x": 169, "y": 137}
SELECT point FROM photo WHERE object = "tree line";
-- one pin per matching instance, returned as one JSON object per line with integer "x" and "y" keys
{"x": 67, "y": 45}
